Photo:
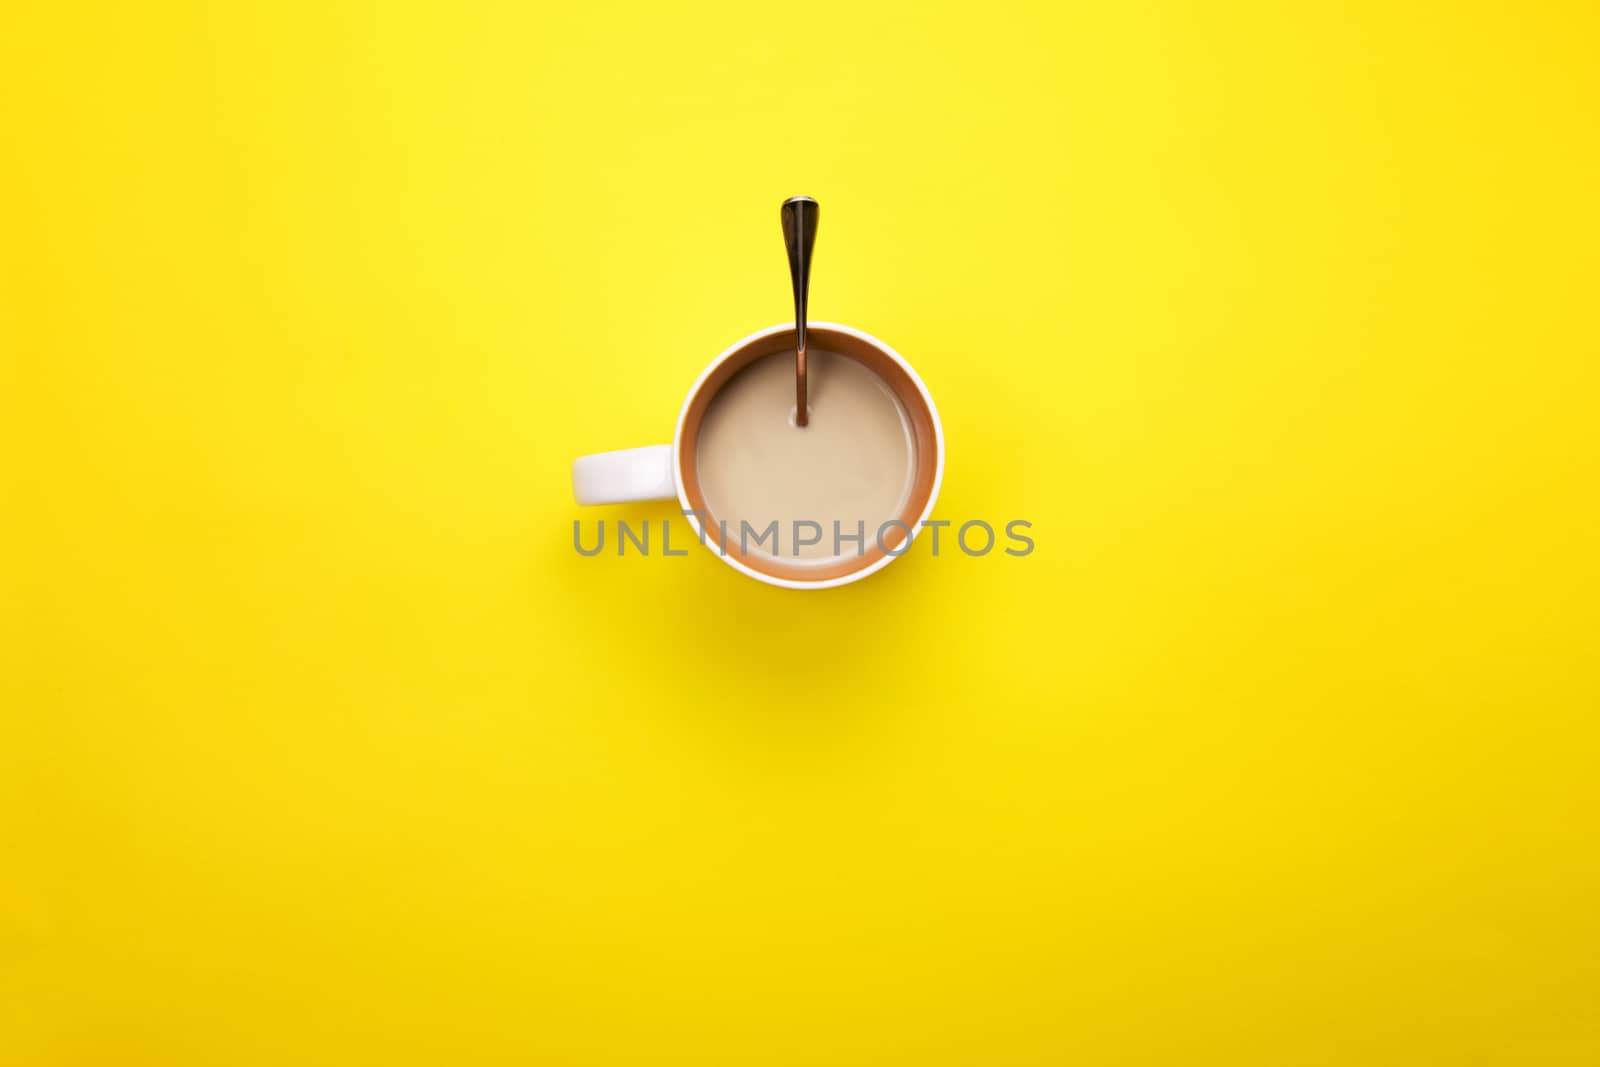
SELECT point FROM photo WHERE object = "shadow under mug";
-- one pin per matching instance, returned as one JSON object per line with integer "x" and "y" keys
{"x": 661, "y": 472}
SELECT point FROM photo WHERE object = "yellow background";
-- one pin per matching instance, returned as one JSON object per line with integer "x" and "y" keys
{"x": 321, "y": 745}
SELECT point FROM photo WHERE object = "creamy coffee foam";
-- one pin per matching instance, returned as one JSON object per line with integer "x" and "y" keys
{"x": 852, "y": 465}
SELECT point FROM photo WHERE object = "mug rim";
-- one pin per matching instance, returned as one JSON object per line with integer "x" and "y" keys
{"x": 739, "y": 346}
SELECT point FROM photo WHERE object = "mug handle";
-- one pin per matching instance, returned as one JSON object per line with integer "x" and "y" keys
{"x": 625, "y": 475}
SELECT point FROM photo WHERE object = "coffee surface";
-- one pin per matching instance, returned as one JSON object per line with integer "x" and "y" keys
{"x": 852, "y": 465}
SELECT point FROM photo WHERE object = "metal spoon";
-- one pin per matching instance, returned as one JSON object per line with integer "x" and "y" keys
{"x": 799, "y": 217}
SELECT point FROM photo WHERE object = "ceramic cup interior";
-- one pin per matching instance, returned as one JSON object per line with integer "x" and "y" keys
{"x": 925, "y": 457}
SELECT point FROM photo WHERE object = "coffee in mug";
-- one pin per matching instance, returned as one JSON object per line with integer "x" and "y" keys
{"x": 804, "y": 508}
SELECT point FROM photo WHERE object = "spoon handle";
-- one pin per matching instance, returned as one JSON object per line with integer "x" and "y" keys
{"x": 799, "y": 217}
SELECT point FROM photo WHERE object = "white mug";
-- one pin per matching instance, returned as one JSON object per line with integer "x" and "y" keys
{"x": 662, "y": 472}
